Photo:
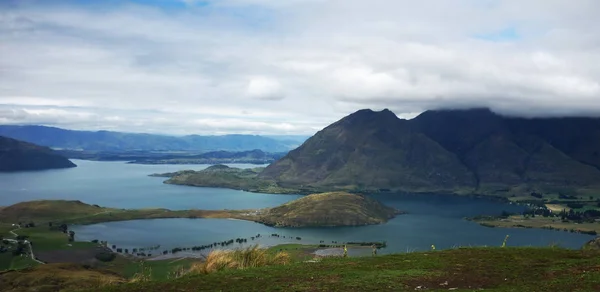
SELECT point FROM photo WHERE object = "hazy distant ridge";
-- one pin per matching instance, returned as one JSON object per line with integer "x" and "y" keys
{"x": 118, "y": 141}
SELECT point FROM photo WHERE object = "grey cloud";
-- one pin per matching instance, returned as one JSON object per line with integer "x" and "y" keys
{"x": 208, "y": 69}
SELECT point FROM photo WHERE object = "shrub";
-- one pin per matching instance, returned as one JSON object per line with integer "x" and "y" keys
{"x": 251, "y": 257}
{"x": 105, "y": 256}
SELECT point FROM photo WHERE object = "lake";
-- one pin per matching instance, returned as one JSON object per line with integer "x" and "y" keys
{"x": 123, "y": 185}
{"x": 431, "y": 219}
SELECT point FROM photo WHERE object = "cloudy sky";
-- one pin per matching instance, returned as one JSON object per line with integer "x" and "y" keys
{"x": 290, "y": 66}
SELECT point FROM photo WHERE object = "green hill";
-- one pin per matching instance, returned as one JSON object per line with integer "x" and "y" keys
{"x": 17, "y": 155}
{"x": 329, "y": 209}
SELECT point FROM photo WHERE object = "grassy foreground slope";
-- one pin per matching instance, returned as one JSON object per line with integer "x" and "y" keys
{"x": 56, "y": 277}
{"x": 468, "y": 269}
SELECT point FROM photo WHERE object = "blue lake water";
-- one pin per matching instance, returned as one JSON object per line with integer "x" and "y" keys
{"x": 432, "y": 219}
{"x": 122, "y": 185}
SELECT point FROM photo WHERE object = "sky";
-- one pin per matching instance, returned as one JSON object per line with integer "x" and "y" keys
{"x": 290, "y": 66}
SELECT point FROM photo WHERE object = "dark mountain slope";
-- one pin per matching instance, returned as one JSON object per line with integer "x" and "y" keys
{"x": 445, "y": 150}
{"x": 16, "y": 155}
{"x": 577, "y": 137}
{"x": 367, "y": 150}
{"x": 506, "y": 152}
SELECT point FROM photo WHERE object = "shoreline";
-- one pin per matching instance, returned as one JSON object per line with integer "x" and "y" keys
{"x": 517, "y": 221}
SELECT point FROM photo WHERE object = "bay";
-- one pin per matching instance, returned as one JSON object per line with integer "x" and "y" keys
{"x": 431, "y": 220}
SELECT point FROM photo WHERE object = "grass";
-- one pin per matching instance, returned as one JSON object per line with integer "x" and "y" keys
{"x": 45, "y": 239}
{"x": 22, "y": 262}
{"x": 251, "y": 257}
{"x": 158, "y": 270}
{"x": 56, "y": 277}
{"x": 540, "y": 222}
{"x": 467, "y": 269}
{"x": 297, "y": 252}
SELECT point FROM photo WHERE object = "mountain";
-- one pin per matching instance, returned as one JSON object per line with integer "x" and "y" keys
{"x": 117, "y": 141}
{"x": 16, "y": 155}
{"x": 458, "y": 151}
{"x": 507, "y": 151}
{"x": 371, "y": 150}
{"x": 329, "y": 209}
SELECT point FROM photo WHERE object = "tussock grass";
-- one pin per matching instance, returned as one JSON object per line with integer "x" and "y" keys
{"x": 240, "y": 259}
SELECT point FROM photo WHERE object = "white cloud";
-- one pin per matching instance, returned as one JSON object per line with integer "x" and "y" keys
{"x": 264, "y": 88}
{"x": 218, "y": 67}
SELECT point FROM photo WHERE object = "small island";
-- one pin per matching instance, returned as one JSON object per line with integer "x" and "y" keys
{"x": 329, "y": 209}
{"x": 317, "y": 210}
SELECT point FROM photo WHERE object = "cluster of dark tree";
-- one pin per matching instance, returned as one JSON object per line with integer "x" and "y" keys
{"x": 20, "y": 249}
{"x": 382, "y": 244}
{"x": 580, "y": 217}
{"x": 561, "y": 195}
{"x": 105, "y": 256}
{"x": 140, "y": 251}
{"x": 537, "y": 195}
{"x": 62, "y": 227}
{"x": 71, "y": 236}
{"x": 567, "y": 197}
{"x": 27, "y": 225}
{"x": 22, "y": 237}
{"x": 534, "y": 212}
{"x": 571, "y": 215}
{"x": 209, "y": 246}
{"x": 277, "y": 235}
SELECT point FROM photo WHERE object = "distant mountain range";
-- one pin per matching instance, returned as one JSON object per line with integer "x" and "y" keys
{"x": 118, "y": 141}
{"x": 458, "y": 151}
{"x": 19, "y": 156}
{"x": 215, "y": 157}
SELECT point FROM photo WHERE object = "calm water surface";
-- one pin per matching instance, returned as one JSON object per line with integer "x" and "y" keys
{"x": 432, "y": 219}
{"x": 122, "y": 185}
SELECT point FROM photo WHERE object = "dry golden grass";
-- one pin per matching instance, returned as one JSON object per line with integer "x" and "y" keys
{"x": 144, "y": 275}
{"x": 557, "y": 208}
{"x": 251, "y": 257}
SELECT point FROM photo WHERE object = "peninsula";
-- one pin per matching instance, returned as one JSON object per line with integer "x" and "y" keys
{"x": 329, "y": 209}
{"x": 17, "y": 155}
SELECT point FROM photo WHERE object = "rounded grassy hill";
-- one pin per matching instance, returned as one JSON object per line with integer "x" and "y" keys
{"x": 329, "y": 209}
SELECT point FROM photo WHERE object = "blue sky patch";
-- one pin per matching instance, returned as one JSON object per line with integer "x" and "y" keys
{"x": 507, "y": 34}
